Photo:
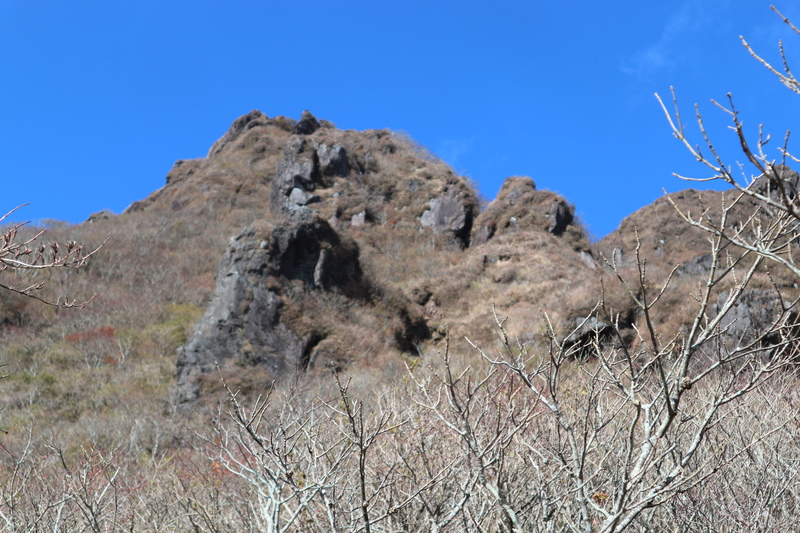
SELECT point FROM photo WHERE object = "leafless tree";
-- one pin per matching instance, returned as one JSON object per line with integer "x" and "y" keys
{"x": 771, "y": 230}
{"x": 29, "y": 255}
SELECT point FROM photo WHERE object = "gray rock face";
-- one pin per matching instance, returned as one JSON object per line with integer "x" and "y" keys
{"x": 359, "y": 219}
{"x": 300, "y": 197}
{"x": 242, "y": 310}
{"x": 306, "y": 248}
{"x": 448, "y": 213}
{"x": 696, "y": 267}
{"x": 482, "y": 236}
{"x": 753, "y": 315}
{"x": 587, "y": 334}
{"x": 297, "y": 169}
{"x": 587, "y": 259}
{"x": 560, "y": 217}
{"x": 332, "y": 160}
{"x": 242, "y": 323}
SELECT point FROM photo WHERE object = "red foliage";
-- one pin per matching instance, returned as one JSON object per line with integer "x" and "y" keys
{"x": 100, "y": 334}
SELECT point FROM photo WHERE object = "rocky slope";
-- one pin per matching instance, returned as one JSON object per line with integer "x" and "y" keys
{"x": 294, "y": 246}
{"x": 399, "y": 229}
{"x": 411, "y": 256}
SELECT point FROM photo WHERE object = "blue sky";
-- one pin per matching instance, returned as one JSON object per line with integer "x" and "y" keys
{"x": 100, "y": 98}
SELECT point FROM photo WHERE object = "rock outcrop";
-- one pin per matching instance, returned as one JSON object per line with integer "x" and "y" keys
{"x": 318, "y": 197}
{"x": 241, "y": 125}
{"x": 756, "y": 312}
{"x": 520, "y": 207}
{"x": 559, "y": 215}
{"x": 360, "y": 246}
{"x": 307, "y": 125}
{"x": 332, "y": 160}
{"x": 307, "y": 249}
{"x": 242, "y": 323}
{"x": 585, "y": 336}
{"x": 449, "y": 213}
{"x": 297, "y": 176}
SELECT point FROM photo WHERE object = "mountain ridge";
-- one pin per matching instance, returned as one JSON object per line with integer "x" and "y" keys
{"x": 431, "y": 265}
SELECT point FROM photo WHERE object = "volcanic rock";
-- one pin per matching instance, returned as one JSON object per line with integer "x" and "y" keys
{"x": 520, "y": 207}
{"x": 332, "y": 160}
{"x": 560, "y": 216}
{"x": 308, "y": 124}
{"x": 243, "y": 320}
{"x": 298, "y": 170}
{"x": 449, "y": 213}
{"x": 755, "y": 313}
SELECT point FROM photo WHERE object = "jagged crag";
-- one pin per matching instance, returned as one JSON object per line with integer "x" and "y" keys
{"x": 299, "y": 247}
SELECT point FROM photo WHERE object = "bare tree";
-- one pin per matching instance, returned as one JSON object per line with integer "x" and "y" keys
{"x": 771, "y": 230}
{"x": 30, "y": 255}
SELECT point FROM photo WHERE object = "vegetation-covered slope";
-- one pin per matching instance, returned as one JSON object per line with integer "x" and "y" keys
{"x": 296, "y": 254}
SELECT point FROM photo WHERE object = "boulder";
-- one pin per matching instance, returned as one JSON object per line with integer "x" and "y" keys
{"x": 359, "y": 219}
{"x": 586, "y": 335}
{"x": 559, "y": 215}
{"x": 298, "y": 168}
{"x": 449, "y": 213}
{"x": 482, "y": 235}
{"x": 588, "y": 259}
{"x": 332, "y": 160}
{"x": 754, "y": 315}
{"x": 300, "y": 197}
{"x": 306, "y": 248}
{"x": 698, "y": 266}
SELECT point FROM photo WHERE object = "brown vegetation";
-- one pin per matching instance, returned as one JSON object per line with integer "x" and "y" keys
{"x": 646, "y": 382}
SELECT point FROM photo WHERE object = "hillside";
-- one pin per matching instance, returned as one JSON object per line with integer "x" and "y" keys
{"x": 303, "y": 292}
{"x": 419, "y": 256}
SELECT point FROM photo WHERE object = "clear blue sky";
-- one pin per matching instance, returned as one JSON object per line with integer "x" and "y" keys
{"x": 100, "y": 98}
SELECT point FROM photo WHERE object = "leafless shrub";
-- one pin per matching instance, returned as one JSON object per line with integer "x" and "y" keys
{"x": 530, "y": 441}
{"x": 30, "y": 255}
{"x": 771, "y": 231}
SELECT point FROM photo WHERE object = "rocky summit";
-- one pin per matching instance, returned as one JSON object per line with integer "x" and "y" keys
{"x": 296, "y": 247}
{"x": 362, "y": 248}
{"x": 366, "y": 248}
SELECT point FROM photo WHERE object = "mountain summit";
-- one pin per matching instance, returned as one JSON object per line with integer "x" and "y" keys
{"x": 294, "y": 246}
